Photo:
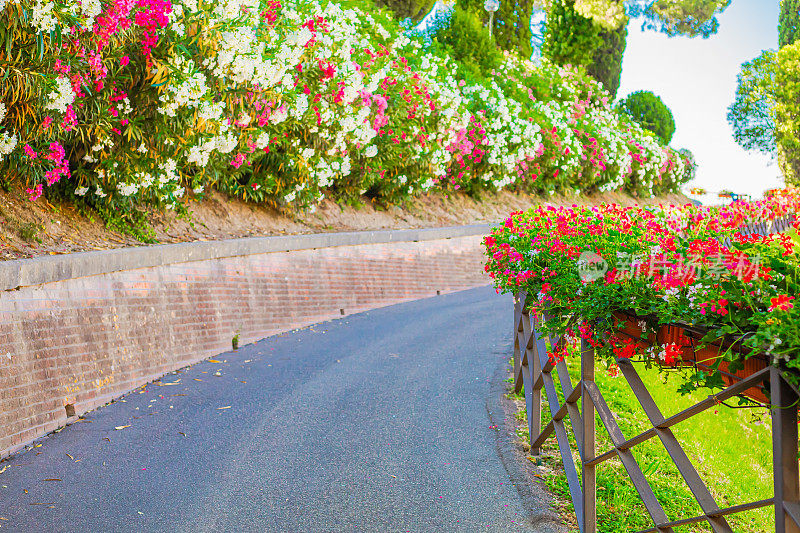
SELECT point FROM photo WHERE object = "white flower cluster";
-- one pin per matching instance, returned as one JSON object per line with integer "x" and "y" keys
{"x": 8, "y": 141}
{"x": 42, "y": 18}
{"x": 62, "y": 97}
{"x": 189, "y": 93}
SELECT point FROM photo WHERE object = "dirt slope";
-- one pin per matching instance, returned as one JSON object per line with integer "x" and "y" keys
{"x": 29, "y": 229}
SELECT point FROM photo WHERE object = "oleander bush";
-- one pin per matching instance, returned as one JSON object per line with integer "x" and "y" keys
{"x": 122, "y": 103}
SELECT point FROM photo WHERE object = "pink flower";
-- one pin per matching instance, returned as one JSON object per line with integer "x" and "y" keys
{"x": 29, "y": 151}
{"x": 70, "y": 120}
{"x": 123, "y": 62}
{"x": 35, "y": 193}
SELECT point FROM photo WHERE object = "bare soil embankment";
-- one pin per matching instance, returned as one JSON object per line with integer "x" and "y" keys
{"x": 29, "y": 229}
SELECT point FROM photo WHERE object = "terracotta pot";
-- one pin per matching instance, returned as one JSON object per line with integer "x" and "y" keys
{"x": 691, "y": 356}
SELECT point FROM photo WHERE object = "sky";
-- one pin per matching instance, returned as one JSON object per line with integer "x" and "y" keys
{"x": 696, "y": 78}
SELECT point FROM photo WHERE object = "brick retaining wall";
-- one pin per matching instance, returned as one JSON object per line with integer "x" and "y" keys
{"x": 82, "y": 341}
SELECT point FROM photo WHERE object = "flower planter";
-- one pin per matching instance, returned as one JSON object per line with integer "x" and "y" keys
{"x": 704, "y": 357}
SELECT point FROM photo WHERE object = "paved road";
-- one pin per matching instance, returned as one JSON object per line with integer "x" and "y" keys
{"x": 376, "y": 422}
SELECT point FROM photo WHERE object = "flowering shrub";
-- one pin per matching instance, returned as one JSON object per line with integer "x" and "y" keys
{"x": 123, "y": 102}
{"x": 669, "y": 262}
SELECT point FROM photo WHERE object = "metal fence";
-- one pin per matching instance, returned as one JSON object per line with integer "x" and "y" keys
{"x": 534, "y": 371}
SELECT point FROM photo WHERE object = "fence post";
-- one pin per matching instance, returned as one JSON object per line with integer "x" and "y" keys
{"x": 535, "y": 413}
{"x": 588, "y": 471}
{"x": 784, "y": 450}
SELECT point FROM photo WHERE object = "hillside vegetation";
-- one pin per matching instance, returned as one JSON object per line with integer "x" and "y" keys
{"x": 117, "y": 105}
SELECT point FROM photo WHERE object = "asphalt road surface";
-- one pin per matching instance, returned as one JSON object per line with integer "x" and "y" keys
{"x": 385, "y": 421}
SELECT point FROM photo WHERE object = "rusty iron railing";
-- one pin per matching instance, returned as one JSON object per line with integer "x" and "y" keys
{"x": 533, "y": 371}
{"x": 776, "y": 225}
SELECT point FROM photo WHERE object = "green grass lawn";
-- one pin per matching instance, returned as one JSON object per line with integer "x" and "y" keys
{"x": 730, "y": 448}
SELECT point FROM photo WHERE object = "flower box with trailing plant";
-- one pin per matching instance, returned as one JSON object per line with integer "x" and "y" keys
{"x": 687, "y": 347}
{"x": 683, "y": 286}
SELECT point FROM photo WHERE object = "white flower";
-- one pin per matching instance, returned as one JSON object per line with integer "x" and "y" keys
{"x": 99, "y": 192}
{"x": 371, "y": 151}
{"x": 81, "y": 191}
{"x": 262, "y": 141}
{"x": 62, "y": 96}
{"x": 43, "y": 19}
{"x": 8, "y": 141}
{"x": 300, "y": 106}
{"x": 279, "y": 115}
{"x": 127, "y": 189}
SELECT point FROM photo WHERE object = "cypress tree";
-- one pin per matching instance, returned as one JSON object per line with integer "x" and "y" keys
{"x": 789, "y": 22}
{"x": 606, "y": 65}
{"x": 512, "y": 26}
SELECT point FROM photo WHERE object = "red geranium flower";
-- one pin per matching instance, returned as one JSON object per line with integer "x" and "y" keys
{"x": 781, "y": 302}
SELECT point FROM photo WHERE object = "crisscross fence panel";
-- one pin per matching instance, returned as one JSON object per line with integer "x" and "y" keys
{"x": 536, "y": 372}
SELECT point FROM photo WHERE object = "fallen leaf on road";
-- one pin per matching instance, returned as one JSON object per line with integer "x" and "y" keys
{"x": 226, "y": 407}
{"x": 106, "y": 438}
{"x": 393, "y": 476}
{"x": 122, "y": 427}
{"x": 3, "y": 469}
{"x": 3, "y": 518}
{"x": 41, "y": 503}
{"x": 51, "y": 479}
{"x": 214, "y": 361}
{"x": 198, "y": 379}
{"x": 242, "y": 381}
{"x": 68, "y": 455}
{"x": 182, "y": 433}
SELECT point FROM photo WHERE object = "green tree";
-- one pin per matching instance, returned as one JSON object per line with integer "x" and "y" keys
{"x": 606, "y": 64}
{"x": 651, "y": 113}
{"x": 462, "y": 33}
{"x": 750, "y": 115}
{"x": 765, "y": 115}
{"x": 593, "y": 33}
{"x": 786, "y": 111}
{"x": 789, "y": 22}
{"x": 570, "y": 38}
{"x": 512, "y": 26}
{"x": 403, "y": 9}
{"x": 679, "y": 17}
